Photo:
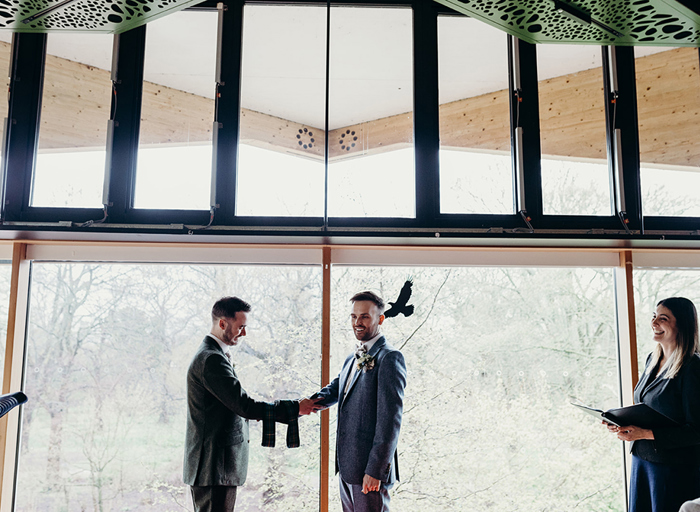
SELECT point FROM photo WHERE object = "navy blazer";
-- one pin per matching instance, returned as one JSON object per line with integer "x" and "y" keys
{"x": 369, "y": 416}
{"x": 679, "y": 399}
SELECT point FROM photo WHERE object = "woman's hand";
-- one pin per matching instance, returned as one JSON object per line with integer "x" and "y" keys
{"x": 612, "y": 428}
{"x": 630, "y": 433}
{"x": 633, "y": 433}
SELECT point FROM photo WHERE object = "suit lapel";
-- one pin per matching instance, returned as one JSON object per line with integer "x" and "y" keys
{"x": 355, "y": 376}
{"x": 651, "y": 385}
{"x": 213, "y": 345}
{"x": 346, "y": 372}
{"x": 647, "y": 384}
{"x": 378, "y": 345}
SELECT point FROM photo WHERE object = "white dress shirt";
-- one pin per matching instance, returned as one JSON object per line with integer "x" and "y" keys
{"x": 224, "y": 347}
{"x": 368, "y": 345}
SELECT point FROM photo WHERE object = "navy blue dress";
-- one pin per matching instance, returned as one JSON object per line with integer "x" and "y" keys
{"x": 666, "y": 470}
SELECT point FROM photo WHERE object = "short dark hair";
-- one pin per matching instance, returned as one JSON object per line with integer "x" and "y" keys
{"x": 227, "y": 307}
{"x": 371, "y": 297}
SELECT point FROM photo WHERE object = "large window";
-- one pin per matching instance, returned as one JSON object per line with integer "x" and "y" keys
{"x": 282, "y": 155}
{"x": 371, "y": 165}
{"x": 70, "y": 164}
{"x": 475, "y": 165}
{"x": 108, "y": 348}
{"x": 651, "y": 286}
{"x": 668, "y": 105}
{"x": 283, "y": 89}
{"x": 177, "y": 113}
{"x": 494, "y": 356}
{"x": 575, "y": 178}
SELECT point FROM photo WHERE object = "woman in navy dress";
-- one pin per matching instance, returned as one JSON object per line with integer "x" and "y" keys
{"x": 666, "y": 461}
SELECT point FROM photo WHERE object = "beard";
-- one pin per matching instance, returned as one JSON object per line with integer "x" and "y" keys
{"x": 365, "y": 335}
{"x": 228, "y": 338}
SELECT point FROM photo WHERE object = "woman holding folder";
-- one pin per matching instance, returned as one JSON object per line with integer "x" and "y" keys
{"x": 666, "y": 461}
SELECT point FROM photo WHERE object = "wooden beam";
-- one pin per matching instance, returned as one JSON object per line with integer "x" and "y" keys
{"x": 572, "y": 115}
{"x": 76, "y": 105}
{"x": 572, "y": 118}
{"x": 378, "y": 136}
{"x": 626, "y": 327}
{"x": 477, "y": 123}
{"x": 76, "y": 108}
{"x": 325, "y": 378}
{"x": 12, "y": 374}
{"x": 627, "y": 339}
{"x": 277, "y": 134}
{"x": 668, "y": 98}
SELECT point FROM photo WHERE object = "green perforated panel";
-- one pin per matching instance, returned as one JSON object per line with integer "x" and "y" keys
{"x": 600, "y": 22}
{"x": 110, "y": 16}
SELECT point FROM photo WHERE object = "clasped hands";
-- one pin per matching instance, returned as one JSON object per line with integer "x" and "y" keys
{"x": 309, "y": 405}
{"x": 629, "y": 433}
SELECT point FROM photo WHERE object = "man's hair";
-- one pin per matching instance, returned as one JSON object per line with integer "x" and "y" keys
{"x": 227, "y": 307}
{"x": 371, "y": 297}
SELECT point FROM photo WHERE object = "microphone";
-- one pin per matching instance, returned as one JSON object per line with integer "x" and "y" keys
{"x": 10, "y": 401}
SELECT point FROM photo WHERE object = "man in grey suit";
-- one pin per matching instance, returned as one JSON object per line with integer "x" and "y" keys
{"x": 218, "y": 410}
{"x": 369, "y": 392}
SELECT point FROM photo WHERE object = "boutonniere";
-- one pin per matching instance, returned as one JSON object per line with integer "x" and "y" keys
{"x": 365, "y": 362}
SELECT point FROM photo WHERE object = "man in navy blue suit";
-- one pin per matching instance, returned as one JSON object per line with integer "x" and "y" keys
{"x": 369, "y": 392}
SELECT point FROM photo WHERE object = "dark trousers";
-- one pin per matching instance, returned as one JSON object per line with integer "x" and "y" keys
{"x": 354, "y": 501}
{"x": 661, "y": 487}
{"x": 215, "y": 498}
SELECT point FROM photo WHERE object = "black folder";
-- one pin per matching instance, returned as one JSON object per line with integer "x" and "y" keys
{"x": 638, "y": 415}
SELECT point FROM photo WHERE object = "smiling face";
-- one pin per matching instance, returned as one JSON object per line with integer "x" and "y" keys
{"x": 365, "y": 320}
{"x": 232, "y": 329}
{"x": 663, "y": 325}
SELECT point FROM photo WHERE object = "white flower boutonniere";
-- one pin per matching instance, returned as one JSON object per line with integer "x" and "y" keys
{"x": 365, "y": 362}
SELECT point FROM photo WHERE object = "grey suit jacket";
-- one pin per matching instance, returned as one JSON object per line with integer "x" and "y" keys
{"x": 218, "y": 410}
{"x": 369, "y": 416}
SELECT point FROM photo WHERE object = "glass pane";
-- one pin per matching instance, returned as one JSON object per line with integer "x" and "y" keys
{"x": 75, "y": 106}
{"x": 475, "y": 166}
{"x": 493, "y": 357}
{"x": 371, "y": 113}
{"x": 5, "y": 279}
{"x": 668, "y": 106}
{"x": 5, "y": 56}
{"x": 283, "y": 90}
{"x": 108, "y": 348}
{"x": 651, "y": 286}
{"x": 177, "y": 113}
{"x": 575, "y": 177}
{"x": 573, "y": 187}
